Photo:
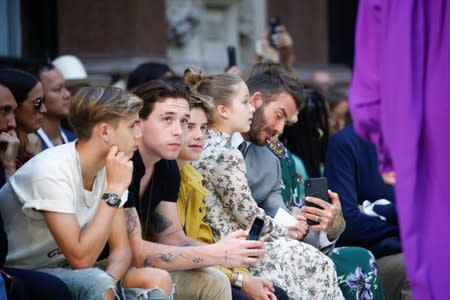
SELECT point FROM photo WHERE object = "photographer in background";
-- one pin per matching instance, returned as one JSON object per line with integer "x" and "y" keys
{"x": 275, "y": 45}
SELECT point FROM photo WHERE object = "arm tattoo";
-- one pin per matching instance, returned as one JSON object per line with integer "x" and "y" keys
{"x": 152, "y": 260}
{"x": 131, "y": 221}
{"x": 190, "y": 242}
{"x": 159, "y": 222}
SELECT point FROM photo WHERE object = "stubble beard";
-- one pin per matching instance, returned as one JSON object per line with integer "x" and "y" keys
{"x": 257, "y": 128}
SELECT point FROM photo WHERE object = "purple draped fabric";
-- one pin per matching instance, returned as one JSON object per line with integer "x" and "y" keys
{"x": 400, "y": 100}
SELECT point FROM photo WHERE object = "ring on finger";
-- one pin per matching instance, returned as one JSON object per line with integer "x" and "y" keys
{"x": 318, "y": 219}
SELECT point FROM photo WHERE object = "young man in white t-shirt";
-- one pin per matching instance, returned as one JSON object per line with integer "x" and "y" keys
{"x": 64, "y": 205}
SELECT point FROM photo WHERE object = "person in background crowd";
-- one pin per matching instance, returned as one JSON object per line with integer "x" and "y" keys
{"x": 57, "y": 102}
{"x": 29, "y": 114}
{"x": 307, "y": 138}
{"x": 338, "y": 116}
{"x": 369, "y": 207}
{"x": 321, "y": 81}
{"x": 146, "y": 72}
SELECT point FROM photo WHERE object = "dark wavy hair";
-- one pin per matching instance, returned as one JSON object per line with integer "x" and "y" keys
{"x": 158, "y": 90}
{"x": 308, "y": 137}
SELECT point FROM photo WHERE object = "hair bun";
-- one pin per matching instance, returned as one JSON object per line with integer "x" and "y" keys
{"x": 192, "y": 78}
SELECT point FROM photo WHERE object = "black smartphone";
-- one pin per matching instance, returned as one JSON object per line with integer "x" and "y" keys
{"x": 255, "y": 230}
{"x": 274, "y": 24}
{"x": 317, "y": 188}
{"x": 231, "y": 52}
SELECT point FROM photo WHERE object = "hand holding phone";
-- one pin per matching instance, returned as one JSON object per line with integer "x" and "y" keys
{"x": 274, "y": 24}
{"x": 256, "y": 229}
{"x": 317, "y": 188}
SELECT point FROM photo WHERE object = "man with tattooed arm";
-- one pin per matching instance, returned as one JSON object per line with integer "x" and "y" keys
{"x": 156, "y": 235}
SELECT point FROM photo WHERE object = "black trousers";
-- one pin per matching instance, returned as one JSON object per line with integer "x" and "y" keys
{"x": 33, "y": 285}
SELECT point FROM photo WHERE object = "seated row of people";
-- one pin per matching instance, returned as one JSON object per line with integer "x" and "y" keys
{"x": 69, "y": 226}
{"x": 68, "y": 199}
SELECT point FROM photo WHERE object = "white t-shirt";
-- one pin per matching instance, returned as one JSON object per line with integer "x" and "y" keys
{"x": 50, "y": 181}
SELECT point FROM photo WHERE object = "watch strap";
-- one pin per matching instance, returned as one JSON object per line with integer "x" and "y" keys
{"x": 239, "y": 281}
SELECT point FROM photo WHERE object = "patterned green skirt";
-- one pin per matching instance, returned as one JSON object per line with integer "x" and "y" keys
{"x": 357, "y": 273}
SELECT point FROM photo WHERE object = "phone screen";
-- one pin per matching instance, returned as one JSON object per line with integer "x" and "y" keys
{"x": 255, "y": 230}
{"x": 274, "y": 24}
{"x": 317, "y": 188}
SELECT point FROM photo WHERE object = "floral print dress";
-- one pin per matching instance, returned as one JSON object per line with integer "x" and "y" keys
{"x": 300, "y": 269}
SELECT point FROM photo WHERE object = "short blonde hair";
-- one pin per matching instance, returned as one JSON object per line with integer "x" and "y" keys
{"x": 92, "y": 105}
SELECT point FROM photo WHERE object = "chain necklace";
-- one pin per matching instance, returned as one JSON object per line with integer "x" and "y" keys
{"x": 146, "y": 219}
{"x": 77, "y": 159}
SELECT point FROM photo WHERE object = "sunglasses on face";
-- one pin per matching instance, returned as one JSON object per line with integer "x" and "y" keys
{"x": 39, "y": 102}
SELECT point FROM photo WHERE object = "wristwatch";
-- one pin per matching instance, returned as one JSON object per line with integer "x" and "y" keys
{"x": 239, "y": 281}
{"x": 112, "y": 199}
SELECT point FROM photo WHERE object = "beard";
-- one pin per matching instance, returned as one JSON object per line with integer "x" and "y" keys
{"x": 257, "y": 128}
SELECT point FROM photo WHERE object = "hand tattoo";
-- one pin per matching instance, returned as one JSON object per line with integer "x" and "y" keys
{"x": 337, "y": 224}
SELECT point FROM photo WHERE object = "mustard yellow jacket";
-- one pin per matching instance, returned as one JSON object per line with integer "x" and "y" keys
{"x": 192, "y": 211}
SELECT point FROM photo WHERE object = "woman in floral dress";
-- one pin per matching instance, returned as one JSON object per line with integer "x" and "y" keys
{"x": 300, "y": 269}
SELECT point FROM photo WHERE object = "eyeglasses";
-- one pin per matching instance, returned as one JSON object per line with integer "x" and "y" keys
{"x": 39, "y": 102}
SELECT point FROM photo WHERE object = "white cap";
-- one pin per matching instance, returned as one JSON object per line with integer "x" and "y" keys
{"x": 71, "y": 67}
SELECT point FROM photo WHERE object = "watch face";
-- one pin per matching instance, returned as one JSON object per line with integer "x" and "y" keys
{"x": 112, "y": 199}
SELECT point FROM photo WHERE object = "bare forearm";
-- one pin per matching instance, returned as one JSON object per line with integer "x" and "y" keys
{"x": 118, "y": 264}
{"x": 94, "y": 238}
{"x": 97, "y": 233}
{"x": 119, "y": 259}
{"x": 81, "y": 247}
{"x": 173, "y": 258}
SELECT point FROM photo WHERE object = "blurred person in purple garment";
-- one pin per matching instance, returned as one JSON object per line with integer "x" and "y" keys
{"x": 400, "y": 101}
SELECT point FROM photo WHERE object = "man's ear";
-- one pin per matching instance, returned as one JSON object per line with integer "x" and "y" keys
{"x": 222, "y": 111}
{"x": 102, "y": 131}
{"x": 257, "y": 100}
